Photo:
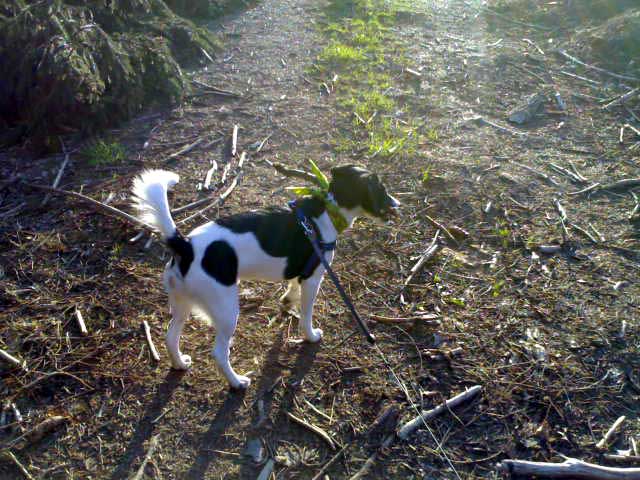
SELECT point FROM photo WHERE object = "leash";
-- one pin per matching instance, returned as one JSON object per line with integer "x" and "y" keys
{"x": 319, "y": 249}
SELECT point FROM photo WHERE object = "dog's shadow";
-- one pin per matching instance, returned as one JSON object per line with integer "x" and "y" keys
{"x": 145, "y": 426}
{"x": 304, "y": 360}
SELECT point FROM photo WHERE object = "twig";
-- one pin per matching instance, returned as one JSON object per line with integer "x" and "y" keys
{"x": 431, "y": 250}
{"x": 622, "y": 98}
{"x": 370, "y": 462}
{"x": 333, "y": 460}
{"x": 317, "y": 430}
{"x": 622, "y": 184}
{"x": 263, "y": 142}
{"x": 438, "y": 225}
{"x": 517, "y": 22}
{"x": 572, "y": 176}
{"x": 108, "y": 208}
{"x": 570, "y": 468}
{"x": 209, "y": 175}
{"x": 414, "y": 424}
{"x": 293, "y": 172}
{"x": 81, "y": 324}
{"x": 234, "y": 141}
{"x": 39, "y": 431}
{"x": 427, "y": 319}
{"x": 153, "y": 444}
{"x": 585, "y": 190}
{"x": 597, "y": 69}
{"x": 607, "y": 436}
{"x": 7, "y": 357}
{"x": 9, "y": 454}
{"x": 216, "y": 90}
{"x": 56, "y": 182}
{"x": 484, "y": 121}
{"x": 538, "y": 173}
{"x": 152, "y": 347}
{"x": 578, "y": 77}
{"x": 185, "y": 149}
{"x": 584, "y": 232}
{"x": 265, "y": 473}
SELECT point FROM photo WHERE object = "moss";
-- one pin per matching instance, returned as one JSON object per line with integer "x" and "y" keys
{"x": 81, "y": 65}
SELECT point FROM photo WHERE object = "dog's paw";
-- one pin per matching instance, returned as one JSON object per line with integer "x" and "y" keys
{"x": 315, "y": 336}
{"x": 241, "y": 383}
{"x": 183, "y": 364}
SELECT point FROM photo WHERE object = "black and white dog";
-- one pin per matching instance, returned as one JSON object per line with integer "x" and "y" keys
{"x": 267, "y": 245}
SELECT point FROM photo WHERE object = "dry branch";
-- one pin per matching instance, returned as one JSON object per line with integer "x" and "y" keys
{"x": 622, "y": 98}
{"x": 414, "y": 424}
{"x": 431, "y": 250}
{"x": 570, "y": 468}
{"x": 81, "y": 324}
{"x": 437, "y": 224}
{"x": 56, "y": 182}
{"x": 234, "y": 141}
{"x": 610, "y": 433}
{"x": 152, "y": 347}
{"x": 317, "y": 430}
{"x": 153, "y": 444}
{"x": 597, "y": 69}
{"x": 118, "y": 213}
{"x": 293, "y": 172}
{"x": 10, "y": 455}
{"x": 370, "y": 462}
{"x": 185, "y": 149}
{"x": 7, "y": 357}
{"x": 625, "y": 184}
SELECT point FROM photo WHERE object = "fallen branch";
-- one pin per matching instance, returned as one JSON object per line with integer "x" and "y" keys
{"x": 216, "y": 90}
{"x": 570, "y": 468}
{"x": 540, "y": 174}
{"x": 431, "y": 250}
{"x": 234, "y": 141}
{"x": 152, "y": 347}
{"x": 317, "y": 430}
{"x": 441, "y": 227}
{"x": 370, "y": 462}
{"x": 625, "y": 184}
{"x": 118, "y": 213}
{"x": 333, "y": 460}
{"x": 585, "y": 190}
{"x": 9, "y": 454}
{"x": 153, "y": 444}
{"x": 610, "y": 433}
{"x": 7, "y": 357}
{"x": 622, "y": 98}
{"x": 597, "y": 69}
{"x": 81, "y": 324}
{"x": 412, "y": 425}
{"x": 37, "y": 432}
{"x": 293, "y": 172}
{"x": 185, "y": 149}
{"x": 56, "y": 182}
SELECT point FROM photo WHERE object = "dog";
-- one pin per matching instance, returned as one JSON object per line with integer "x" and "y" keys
{"x": 203, "y": 274}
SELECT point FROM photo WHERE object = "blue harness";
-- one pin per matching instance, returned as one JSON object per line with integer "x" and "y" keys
{"x": 314, "y": 236}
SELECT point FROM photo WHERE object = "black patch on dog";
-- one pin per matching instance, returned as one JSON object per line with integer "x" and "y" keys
{"x": 221, "y": 262}
{"x": 182, "y": 249}
{"x": 279, "y": 233}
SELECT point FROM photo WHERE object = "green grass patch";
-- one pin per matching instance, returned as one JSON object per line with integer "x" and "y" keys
{"x": 103, "y": 153}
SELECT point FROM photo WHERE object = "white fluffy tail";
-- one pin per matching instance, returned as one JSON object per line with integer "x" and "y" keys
{"x": 150, "y": 198}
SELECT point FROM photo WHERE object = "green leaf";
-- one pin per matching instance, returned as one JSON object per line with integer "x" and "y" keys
{"x": 301, "y": 191}
{"x": 322, "y": 178}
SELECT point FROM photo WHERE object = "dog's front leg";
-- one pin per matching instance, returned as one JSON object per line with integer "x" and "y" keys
{"x": 310, "y": 288}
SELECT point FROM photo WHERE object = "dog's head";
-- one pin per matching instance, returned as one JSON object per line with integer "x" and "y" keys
{"x": 356, "y": 188}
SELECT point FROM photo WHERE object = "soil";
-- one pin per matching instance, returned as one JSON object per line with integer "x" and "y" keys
{"x": 551, "y": 334}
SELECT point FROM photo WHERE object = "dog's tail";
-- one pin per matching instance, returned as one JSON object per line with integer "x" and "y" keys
{"x": 150, "y": 199}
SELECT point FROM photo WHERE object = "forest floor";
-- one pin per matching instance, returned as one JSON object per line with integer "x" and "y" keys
{"x": 536, "y": 300}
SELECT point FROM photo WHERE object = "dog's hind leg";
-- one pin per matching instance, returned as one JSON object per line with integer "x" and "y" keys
{"x": 180, "y": 310}
{"x": 291, "y": 297}
{"x": 224, "y": 311}
{"x": 310, "y": 288}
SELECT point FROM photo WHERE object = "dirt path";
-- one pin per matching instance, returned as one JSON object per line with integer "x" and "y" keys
{"x": 540, "y": 332}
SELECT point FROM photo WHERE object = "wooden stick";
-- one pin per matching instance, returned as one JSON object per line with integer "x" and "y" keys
{"x": 263, "y": 142}
{"x": 607, "y": 436}
{"x": 293, "y": 172}
{"x": 7, "y": 357}
{"x": 412, "y": 425}
{"x": 234, "y": 141}
{"x": 56, "y": 182}
{"x": 538, "y": 173}
{"x": 333, "y": 460}
{"x": 622, "y": 184}
{"x": 217, "y": 90}
{"x": 265, "y": 473}
{"x": 570, "y": 468}
{"x": 431, "y": 250}
{"x": 153, "y": 444}
{"x": 185, "y": 149}
{"x": 366, "y": 467}
{"x": 80, "y": 320}
{"x": 118, "y": 213}
{"x": 622, "y": 98}
{"x": 441, "y": 227}
{"x": 317, "y": 430}
{"x": 152, "y": 347}
{"x": 10, "y": 455}
{"x": 597, "y": 69}
{"x": 585, "y": 190}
